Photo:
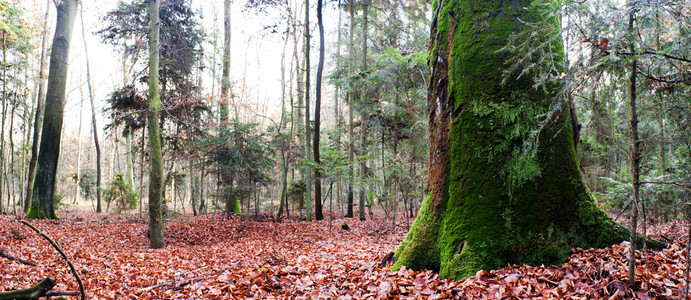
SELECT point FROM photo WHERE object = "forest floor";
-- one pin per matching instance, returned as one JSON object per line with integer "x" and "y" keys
{"x": 206, "y": 257}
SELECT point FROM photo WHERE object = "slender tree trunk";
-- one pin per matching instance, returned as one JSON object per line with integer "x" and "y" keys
{"x": 232, "y": 205}
{"x": 141, "y": 169}
{"x": 4, "y": 117}
{"x": 77, "y": 175}
{"x": 10, "y": 180}
{"x": 156, "y": 239}
{"x": 44, "y": 186}
{"x": 202, "y": 202}
{"x": 99, "y": 177}
{"x": 319, "y": 215}
{"x": 38, "y": 117}
{"x": 129, "y": 157}
{"x": 284, "y": 161}
{"x": 194, "y": 188}
{"x": 363, "y": 117}
{"x": 308, "y": 152}
{"x": 337, "y": 114}
{"x": 351, "y": 136}
{"x": 635, "y": 163}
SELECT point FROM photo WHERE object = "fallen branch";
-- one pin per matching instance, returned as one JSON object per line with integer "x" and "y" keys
{"x": 57, "y": 247}
{"x": 10, "y": 257}
{"x": 33, "y": 292}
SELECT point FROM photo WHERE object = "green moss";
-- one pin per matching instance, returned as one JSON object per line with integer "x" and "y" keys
{"x": 419, "y": 249}
{"x": 235, "y": 205}
{"x": 514, "y": 192}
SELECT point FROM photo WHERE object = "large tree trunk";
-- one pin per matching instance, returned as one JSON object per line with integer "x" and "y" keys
{"x": 497, "y": 195}
{"x": 44, "y": 186}
{"x": 155, "y": 180}
{"x": 318, "y": 214}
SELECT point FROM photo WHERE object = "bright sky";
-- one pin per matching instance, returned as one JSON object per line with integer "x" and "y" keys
{"x": 256, "y": 56}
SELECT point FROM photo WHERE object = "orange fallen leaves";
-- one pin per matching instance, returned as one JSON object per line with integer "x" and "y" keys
{"x": 209, "y": 258}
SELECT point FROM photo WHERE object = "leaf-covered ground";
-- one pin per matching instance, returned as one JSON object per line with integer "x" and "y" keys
{"x": 208, "y": 257}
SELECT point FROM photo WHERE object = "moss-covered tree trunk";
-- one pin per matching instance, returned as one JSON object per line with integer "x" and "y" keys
{"x": 49, "y": 152}
{"x": 156, "y": 239}
{"x": 505, "y": 186}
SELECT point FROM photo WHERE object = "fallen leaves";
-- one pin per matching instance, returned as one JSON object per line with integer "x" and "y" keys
{"x": 212, "y": 258}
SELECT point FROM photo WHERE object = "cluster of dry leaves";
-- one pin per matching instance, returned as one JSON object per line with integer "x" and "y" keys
{"x": 207, "y": 257}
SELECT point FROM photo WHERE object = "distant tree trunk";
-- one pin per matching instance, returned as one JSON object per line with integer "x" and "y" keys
{"x": 202, "y": 202}
{"x": 141, "y": 169}
{"x": 283, "y": 205}
{"x": 77, "y": 174}
{"x": 490, "y": 205}
{"x": 97, "y": 145}
{"x": 308, "y": 154}
{"x": 10, "y": 180}
{"x": 351, "y": 136}
{"x": 337, "y": 113}
{"x": 319, "y": 215}
{"x": 129, "y": 157}
{"x": 44, "y": 186}
{"x": 363, "y": 117}
{"x": 156, "y": 239}
{"x": 194, "y": 188}
{"x": 4, "y": 116}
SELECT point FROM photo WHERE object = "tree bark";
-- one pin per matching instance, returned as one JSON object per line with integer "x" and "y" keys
{"x": 44, "y": 186}
{"x": 156, "y": 239}
{"x": 318, "y": 214}
{"x": 498, "y": 194}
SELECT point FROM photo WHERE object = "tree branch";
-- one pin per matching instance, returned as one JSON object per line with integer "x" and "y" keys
{"x": 57, "y": 247}
{"x": 10, "y": 257}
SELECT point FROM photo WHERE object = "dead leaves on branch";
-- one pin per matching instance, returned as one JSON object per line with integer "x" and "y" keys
{"x": 211, "y": 258}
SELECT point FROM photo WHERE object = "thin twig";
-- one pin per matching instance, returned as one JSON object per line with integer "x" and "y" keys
{"x": 57, "y": 247}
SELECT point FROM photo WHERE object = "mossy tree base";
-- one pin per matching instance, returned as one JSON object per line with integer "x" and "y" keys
{"x": 505, "y": 186}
